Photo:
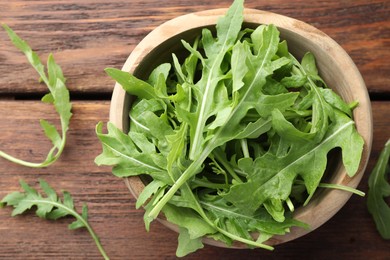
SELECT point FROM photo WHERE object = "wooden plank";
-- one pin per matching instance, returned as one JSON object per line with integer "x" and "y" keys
{"x": 350, "y": 234}
{"x": 88, "y": 36}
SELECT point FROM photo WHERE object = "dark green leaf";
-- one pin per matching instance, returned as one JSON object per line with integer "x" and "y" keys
{"x": 378, "y": 190}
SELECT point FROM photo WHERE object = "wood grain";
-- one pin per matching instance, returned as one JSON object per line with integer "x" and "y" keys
{"x": 88, "y": 36}
{"x": 350, "y": 234}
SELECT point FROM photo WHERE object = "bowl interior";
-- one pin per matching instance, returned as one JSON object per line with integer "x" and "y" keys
{"x": 335, "y": 67}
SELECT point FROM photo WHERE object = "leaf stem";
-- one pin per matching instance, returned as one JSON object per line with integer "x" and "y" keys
{"x": 229, "y": 169}
{"x": 342, "y": 187}
{"x": 225, "y": 232}
{"x": 290, "y": 204}
{"x": 45, "y": 163}
{"x": 207, "y": 184}
{"x": 189, "y": 172}
{"x": 336, "y": 186}
{"x": 244, "y": 146}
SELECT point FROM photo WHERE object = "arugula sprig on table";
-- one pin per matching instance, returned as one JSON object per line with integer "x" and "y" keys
{"x": 234, "y": 136}
{"x": 58, "y": 96}
{"x": 50, "y": 206}
{"x": 378, "y": 190}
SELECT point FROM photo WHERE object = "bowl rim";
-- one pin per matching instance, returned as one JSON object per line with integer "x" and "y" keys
{"x": 206, "y": 18}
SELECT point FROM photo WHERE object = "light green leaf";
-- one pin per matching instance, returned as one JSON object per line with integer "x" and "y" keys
{"x": 80, "y": 222}
{"x": 188, "y": 219}
{"x": 228, "y": 28}
{"x": 54, "y": 72}
{"x": 51, "y": 133}
{"x": 294, "y": 81}
{"x": 239, "y": 71}
{"x": 31, "y": 56}
{"x": 12, "y": 199}
{"x": 148, "y": 191}
{"x": 163, "y": 70}
{"x": 177, "y": 143}
{"x": 309, "y": 64}
{"x": 120, "y": 151}
{"x": 131, "y": 84}
{"x": 272, "y": 177}
{"x": 48, "y": 98}
{"x": 336, "y": 101}
{"x": 187, "y": 245}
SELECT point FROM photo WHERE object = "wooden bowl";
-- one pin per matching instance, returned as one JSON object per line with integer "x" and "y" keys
{"x": 335, "y": 67}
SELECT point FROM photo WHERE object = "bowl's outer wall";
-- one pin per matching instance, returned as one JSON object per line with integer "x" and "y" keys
{"x": 335, "y": 67}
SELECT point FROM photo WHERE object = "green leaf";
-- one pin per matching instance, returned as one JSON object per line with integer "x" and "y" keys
{"x": 270, "y": 176}
{"x": 177, "y": 143}
{"x": 163, "y": 70}
{"x": 54, "y": 72}
{"x": 309, "y": 64}
{"x": 336, "y": 101}
{"x": 239, "y": 53}
{"x": 62, "y": 212}
{"x": 48, "y": 98}
{"x": 131, "y": 84}
{"x": 228, "y": 28}
{"x": 187, "y": 245}
{"x": 188, "y": 219}
{"x": 378, "y": 190}
{"x": 58, "y": 96}
{"x": 12, "y": 199}
{"x": 294, "y": 81}
{"x": 51, "y": 133}
{"x": 62, "y": 104}
{"x": 287, "y": 130}
{"x": 44, "y": 209}
{"x": 128, "y": 159}
{"x": 80, "y": 222}
{"x": 49, "y": 206}
{"x": 148, "y": 191}
{"x": 31, "y": 56}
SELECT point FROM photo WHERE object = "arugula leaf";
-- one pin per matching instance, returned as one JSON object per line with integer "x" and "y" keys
{"x": 131, "y": 84}
{"x": 270, "y": 176}
{"x": 187, "y": 244}
{"x": 122, "y": 151}
{"x": 50, "y": 207}
{"x": 58, "y": 96}
{"x": 186, "y": 218}
{"x": 378, "y": 189}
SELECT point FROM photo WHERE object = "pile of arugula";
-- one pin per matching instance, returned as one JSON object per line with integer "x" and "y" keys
{"x": 234, "y": 137}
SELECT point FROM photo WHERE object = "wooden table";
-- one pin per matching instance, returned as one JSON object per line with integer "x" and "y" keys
{"x": 88, "y": 36}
